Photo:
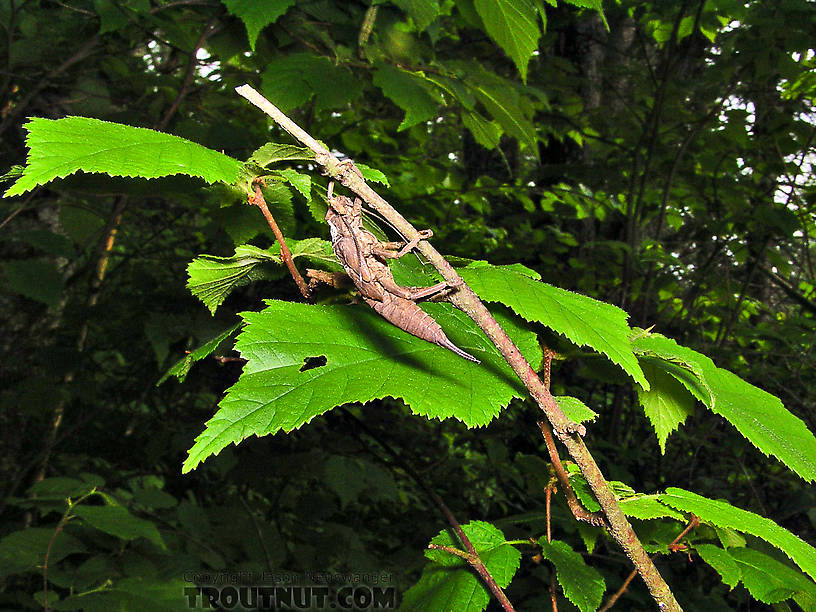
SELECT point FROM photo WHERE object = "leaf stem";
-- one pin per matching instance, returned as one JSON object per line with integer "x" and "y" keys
{"x": 259, "y": 201}
{"x": 466, "y": 300}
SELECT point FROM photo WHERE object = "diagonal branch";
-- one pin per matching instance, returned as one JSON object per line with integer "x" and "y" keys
{"x": 467, "y": 301}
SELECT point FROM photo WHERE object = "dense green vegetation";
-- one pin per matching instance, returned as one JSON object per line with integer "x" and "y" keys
{"x": 653, "y": 156}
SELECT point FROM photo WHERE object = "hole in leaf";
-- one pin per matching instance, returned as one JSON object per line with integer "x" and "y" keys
{"x": 313, "y": 362}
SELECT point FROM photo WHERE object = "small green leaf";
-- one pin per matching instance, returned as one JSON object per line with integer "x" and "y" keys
{"x": 582, "y": 584}
{"x": 576, "y": 410}
{"x": 723, "y": 514}
{"x": 257, "y": 14}
{"x": 118, "y": 522}
{"x": 721, "y": 561}
{"x": 211, "y": 278}
{"x": 58, "y": 148}
{"x": 584, "y": 321}
{"x": 505, "y": 105}
{"x": 366, "y": 358}
{"x": 667, "y": 403}
{"x": 372, "y": 174}
{"x": 273, "y": 152}
{"x": 513, "y": 25}
{"x": 450, "y": 584}
{"x": 301, "y": 182}
{"x": 647, "y": 507}
{"x": 183, "y": 365}
{"x": 409, "y": 92}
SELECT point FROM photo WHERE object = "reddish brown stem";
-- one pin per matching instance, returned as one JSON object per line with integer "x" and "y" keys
{"x": 286, "y": 254}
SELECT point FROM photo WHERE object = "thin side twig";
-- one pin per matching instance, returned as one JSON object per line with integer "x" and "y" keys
{"x": 465, "y": 299}
{"x": 259, "y": 201}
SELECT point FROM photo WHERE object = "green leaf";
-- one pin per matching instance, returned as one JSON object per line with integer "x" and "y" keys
{"x": 667, "y": 403}
{"x": 257, "y": 14}
{"x": 757, "y": 415}
{"x": 503, "y": 103}
{"x": 273, "y": 152}
{"x": 513, "y": 25}
{"x": 118, "y": 522}
{"x": 25, "y": 550}
{"x": 723, "y": 514}
{"x": 584, "y": 321}
{"x": 770, "y": 581}
{"x": 486, "y": 133}
{"x": 58, "y": 148}
{"x": 721, "y": 561}
{"x": 576, "y": 410}
{"x": 582, "y": 584}
{"x": 647, "y": 507}
{"x": 366, "y": 358}
{"x": 423, "y": 12}
{"x": 301, "y": 182}
{"x": 212, "y": 278}
{"x": 37, "y": 279}
{"x": 372, "y": 174}
{"x": 183, "y": 365}
{"x": 450, "y": 584}
{"x": 409, "y": 92}
{"x": 291, "y": 80}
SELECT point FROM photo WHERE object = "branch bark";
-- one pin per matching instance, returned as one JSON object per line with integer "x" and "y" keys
{"x": 468, "y": 302}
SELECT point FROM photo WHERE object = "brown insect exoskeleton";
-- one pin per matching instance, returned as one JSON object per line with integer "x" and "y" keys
{"x": 364, "y": 258}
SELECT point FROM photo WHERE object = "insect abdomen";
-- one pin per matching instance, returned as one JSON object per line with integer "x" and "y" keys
{"x": 409, "y": 317}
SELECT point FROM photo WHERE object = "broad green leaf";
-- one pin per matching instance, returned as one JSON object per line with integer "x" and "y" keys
{"x": 49, "y": 242}
{"x": 118, "y": 522}
{"x": 513, "y": 25}
{"x": 409, "y": 92}
{"x": 486, "y": 133}
{"x": 584, "y": 321}
{"x": 37, "y": 279}
{"x": 582, "y": 584}
{"x": 257, "y": 14}
{"x": 60, "y": 488}
{"x": 273, "y": 152}
{"x": 423, "y": 12}
{"x": 576, "y": 410}
{"x": 142, "y": 592}
{"x": 212, "y": 278}
{"x": 366, "y": 358}
{"x": 183, "y": 365}
{"x": 757, "y": 415}
{"x": 449, "y": 583}
{"x": 58, "y": 148}
{"x": 721, "y": 561}
{"x": 770, "y": 581}
{"x": 667, "y": 403}
{"x": 25, "y": 550}
{"x": 723, "y": 514}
